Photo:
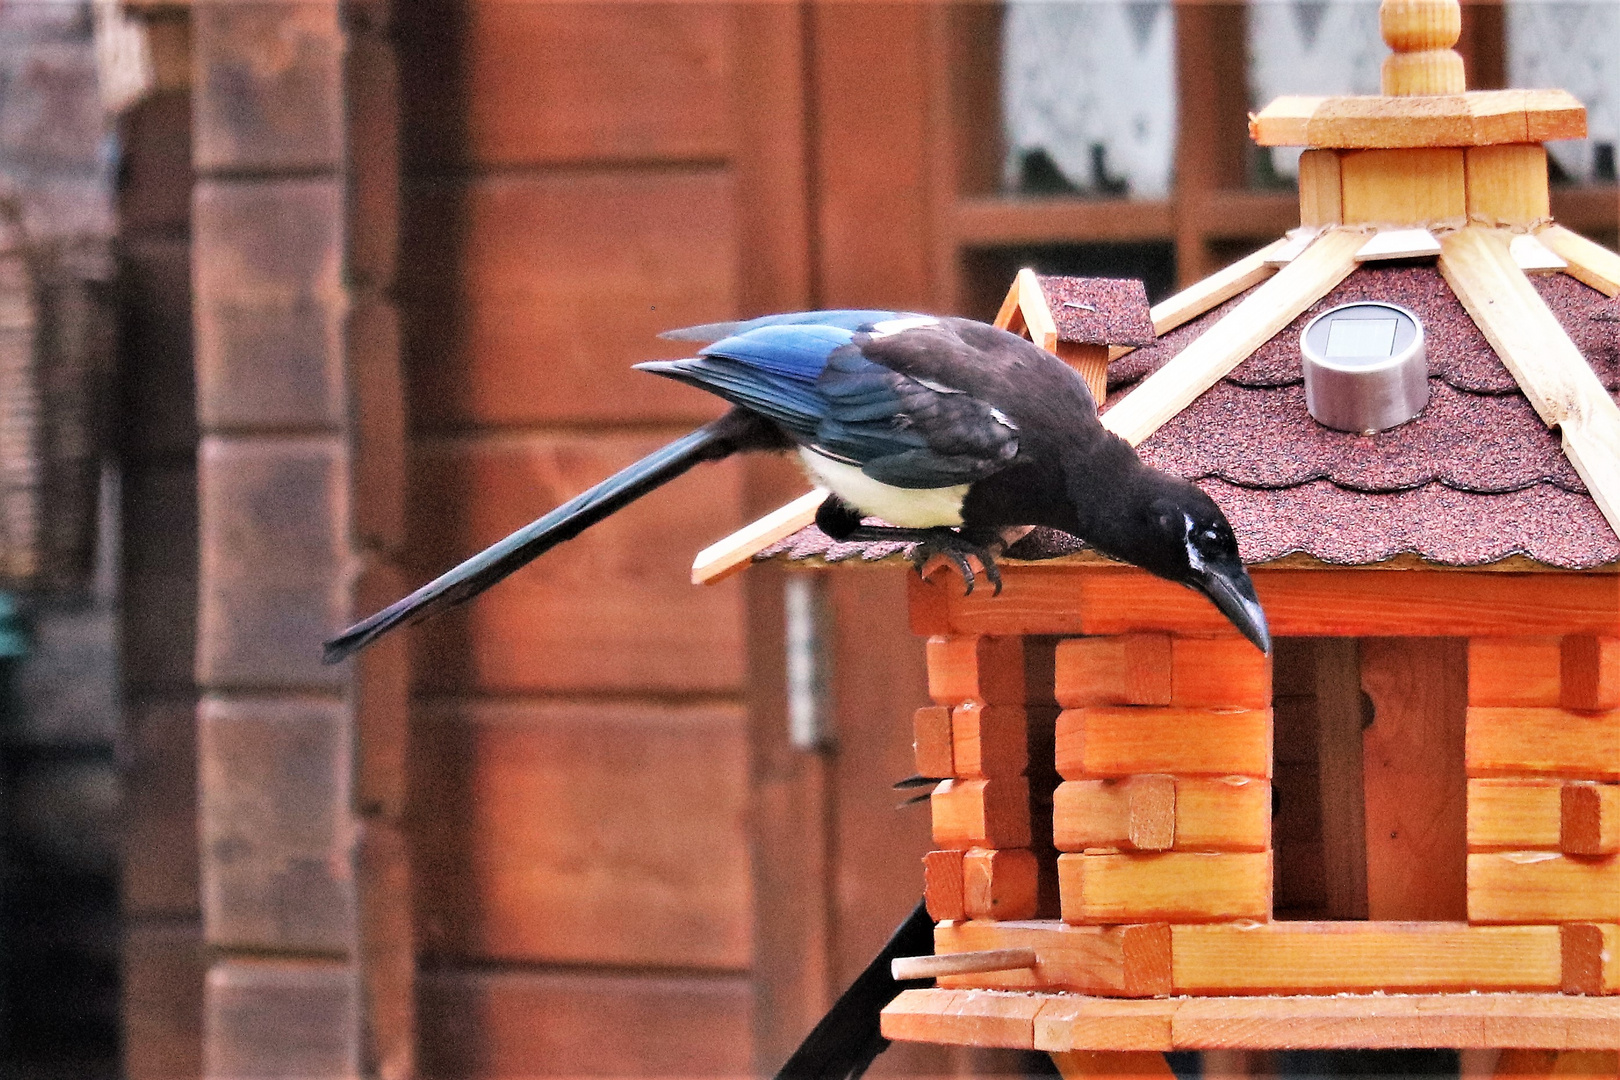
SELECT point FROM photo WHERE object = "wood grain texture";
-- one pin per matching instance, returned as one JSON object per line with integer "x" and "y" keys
{"x": 1133, "y": 813}
{"x": 1321, "y": 200}
{"x": 1342, "y": 788}
{"x": 931, "y": 741}
{"x": 1589, "y": 819}
{"x": 1505, "y": 671}
{"x": 1131, "y": 669}
{"x": 1591, "y": 958}
{"x": 1119, "y": 741}
{"x": 1404, "y": 187}
{"x": 1507, "y": 185}
{"x": 1505, "y": 742}
{"x": 999, "y": 884}
{"x": 1075, "y": 1064}
{"x": 989, "y": 740}
{"x": 962, "y": 1018}
{"x": 1219, "y": 673}
{"x": 640, "y": 855}
{"x": 1165, "y": 886}
{"x": 1363, "y": 957}
{"x": 1227, "y": 813}
{"x": 1514, "y": 815}
{"x": 1589, "y": 671}
{"x": 943, "y": 885}
{"x": 1122, "y": 961}
{"x": 1479, "y": 118}
{"x": 982, "y": 813}
{"x": 1524, "y": 887}
{"x": 1590, "y": 262}
{"x": 735, "y": 551}
{"x": 976, "y": 668}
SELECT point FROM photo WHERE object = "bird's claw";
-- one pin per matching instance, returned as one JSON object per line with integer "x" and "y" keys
{"x": 952, "y": 545}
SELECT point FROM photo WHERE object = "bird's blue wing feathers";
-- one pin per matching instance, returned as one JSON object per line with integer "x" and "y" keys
{"x": 795, "y": 352}
{"x": 790, "y": 402}
{"x": 848, "y": 318}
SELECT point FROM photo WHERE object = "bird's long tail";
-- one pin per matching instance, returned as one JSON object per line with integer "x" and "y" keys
{"x": 734, "y": 432}
{"x": 846, "y": 1040}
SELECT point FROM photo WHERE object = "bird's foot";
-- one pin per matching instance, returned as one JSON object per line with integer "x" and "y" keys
{"x": 950, "y": 544}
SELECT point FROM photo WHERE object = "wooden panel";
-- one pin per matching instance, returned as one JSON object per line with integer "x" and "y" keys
{"x": 999, "y": 884}
{"x": 1513, "y": 815}
{"x": 1136, "y": 813}
{"x": 1591, "y": 958}
{"x": 943, "y": 885}
{"x": 1361, "y": 957}
{"x": 987, "y": 669}
{"x": 1055, "y": 599}
{"x": 1172, "y": 886}
{"x": 1542, "y": 887}
{"x": 982, "y": 813}
{"x": 1507, "y": 184}
{"x": 1229, "y": 813}
{"x": 1109, "y": 741}
{"x": 1126, "y": 961}
{"x": 989, "y": 740}
{"x": 1134, "y": 1026}
{"x": 1403, "y": 187}
{"x": 1589, "y": 819}
{"x": 1219, "y": 673}
{"x": 931, "y": 741}
{"x": 1591, "y": 673}
{"x": 582, "y": 833}
{"x": 1342, "y": 794}
{"x": 1513, "y": 671}
{"x": 1509, "y": 741}
{"x": 611, "y": 610}
{"x": 962, "y": 1018}
{"x": 527, "y": 298}
{"x": 503, "y": 1025}
{"x": 1414, "y": 779}
{"x": 1132, "y": 669}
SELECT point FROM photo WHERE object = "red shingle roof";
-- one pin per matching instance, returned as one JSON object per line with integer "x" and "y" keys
{"x": 1099, "y": 311}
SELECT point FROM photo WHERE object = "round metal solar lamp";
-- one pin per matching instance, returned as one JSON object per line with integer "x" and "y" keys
{"x": 1366, "y": 367}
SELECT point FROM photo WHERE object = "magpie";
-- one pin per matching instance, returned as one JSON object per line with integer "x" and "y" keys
{"x": 946, "y": 429}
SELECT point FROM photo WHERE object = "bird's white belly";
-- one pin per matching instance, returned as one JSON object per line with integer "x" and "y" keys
{"x": 911, "y": 508}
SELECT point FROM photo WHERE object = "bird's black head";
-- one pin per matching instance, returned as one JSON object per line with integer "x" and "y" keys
{"x": 1177, "y": 532}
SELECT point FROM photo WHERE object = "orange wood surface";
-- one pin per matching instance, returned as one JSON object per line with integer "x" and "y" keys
{"x": 581, "y": 833}
{"x": 1556, "y": 741}
{"x": 1131, "y": 669}
{"x": 1591, "y": 958}
{"x": 1526, "y": 887}
{"x": 962, "y": 1017}
{"x": 943, "y": 884}
{"x": 1056, "y": 599}
{"x": 999, "y": 884}
{"x": 989, "y": 740}
{"x": 982, "y": 813}
{"x": 611, "y": 612}
{"x": 1219, "y": 673}
{"x": 973, "y": 668}
{"x": 1222, "y": 813}
{"x": 542, "y": 290}
{"x": 931, "y": 741}
{"x": 1591, "y": 672}
{"x": 1507, "y": 671}
{"x": 1413, "y": 777}
{"x": 1514, "y": 815}
{"x": 1119, "y": 741}
{"x": 1164, "y": 886}
{"x": 1589, "y": 819}
{"x": 1361, "y": 957}
{"x": 1076, "y": 1064}
{"x": 1135, "y": 813}
{"x": 1124, "y": 961}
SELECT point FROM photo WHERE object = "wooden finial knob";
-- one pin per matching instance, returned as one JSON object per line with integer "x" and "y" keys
{"x": 1422, "y": 33}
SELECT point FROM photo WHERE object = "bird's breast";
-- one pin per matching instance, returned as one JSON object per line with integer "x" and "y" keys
{"x": 911, "y": 508}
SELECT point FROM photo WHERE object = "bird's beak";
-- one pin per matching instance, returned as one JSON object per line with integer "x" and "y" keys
{"x": 1229, "y": 587}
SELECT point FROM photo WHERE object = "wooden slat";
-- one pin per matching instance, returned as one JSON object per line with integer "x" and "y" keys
{"x": 999, "y": 884}
{"x": 982, "y": 813}
{"x": 1129, "y": 1026}
{"x": 731, "y": 553}
{"x": 1590, "y": 262}
{"x": 1514, "y": 815}
{"x": 1399, "y": 244}
{"x": 1134, "y": 813}
{"x": 1219, "y": 673}
{"x": 962, "y": 1018}
{"x": 943, "y": 884}
{"x": 1229, "y": 813}
{"x": 1404, "y": 187}
{"x": 1216, "y": 289}
{"x": 1552, "y": 372}
{"x": 931, "y": 742}
{"x": 1591, "y": 958}
{"x": 982, "y": 668}
{"x": 1037, "y": 315}
{"x": 1166, "y": 886}
{"x": 1122, "y": 961}
{"x": 1534, "y": 257}
{"x": 1342, "y": 789}
{"x": 1590, "y": 672}
{"x": 1119, "y": 741}
{"x": 1505, "y": 742}
{"x": 1362, "y": 957}
{"x": 1480, "y": 118}
{"x": 1321, "y": 201}
{"x": 1223, "y": 346}
{"x": 1131, "y": 669}
{"x": 1589, "y": 819}
{"x": 989, "y": 740}
{"x": 1513, "y": 671}
{"x": 1522, "y": 887}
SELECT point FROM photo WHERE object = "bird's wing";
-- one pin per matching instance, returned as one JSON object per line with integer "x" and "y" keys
{"x": 848, "y": 319}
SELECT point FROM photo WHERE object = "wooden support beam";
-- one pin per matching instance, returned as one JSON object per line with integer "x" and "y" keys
{"x": 1514, "y": 815}
{"x": 1079, "y": 1064}
{"x": 943, "y": 885}
{"x": 1219, "y": 673}
{"x": 1589, "y": 670}
{"x": 989, "y": 740}
{"x": 1134, "y": 813}
{"x": 904, "y": 968}
{"x": 1131, "y": 669}
{"x": 973, "y": 667}
{"x": 1038, "y": 321}
{"x": 1000, "y": 883}
{"x": 1507, "y": 185}
{"x": 1591, "y": 958}
{"x": 726, "y": 556}
{"x": 1419, "y": 186}
{"x": 1321, "y": 201}
{"x": 1362, "y": 957}
{"x": 1342, "y": 793}
{"x": 1537, "y": 886}
{"x": 1534, "y": 257}
{"x": 1590, "y": 262}
{"x": 1119, "y": 961}
{"x": 1522, "y": 741}
{"x": 1589, "y": 819}
{"x": 1213, "y": 291}
{"x": 1506, "y": 671}
{"x": 1167, "y": 886}
{"x": 1552, "y": 372}
{"x": 1121, "y": 741}
{"x": 1479, "y": 118}
{"x": 1272, "y": 306}
{"x": 982, "y": 813}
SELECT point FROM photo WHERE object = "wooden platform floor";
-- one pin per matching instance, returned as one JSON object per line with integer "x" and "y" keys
{"x": 1056, "y": 1022}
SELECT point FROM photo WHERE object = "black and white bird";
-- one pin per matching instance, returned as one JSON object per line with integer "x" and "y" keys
{"x": 948, "y": 430}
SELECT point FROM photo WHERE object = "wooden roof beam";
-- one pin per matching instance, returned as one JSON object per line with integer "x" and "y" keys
{"x": 1591, "y": 263}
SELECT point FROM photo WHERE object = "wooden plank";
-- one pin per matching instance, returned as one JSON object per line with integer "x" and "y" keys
{"x": 1363, "y": 957}
{"x": 931, "y": 741}
{"x": 1514, "y": 815}
{"x": 981, "y": 668}
{"x": 1120, "y": 961}
{"x": 1227, "y": 813}
{"x": 1420, "y": 186}
{"x": 1321, "y": 202}
{"x": 1399, "y": 244}
{"x": 1342, "y": 792}
{"x": 1537, "y": 886}
{"x": 1272, "y": 306}
{"x": 962, "y": 1018}
{"x": 1076, "y": 1064}
{"x": 1591, "y": 958}
{"x": 989, "y": 740}
{"x": 982, "y": 813}
{"x": 1534, "y": 257}
{"x": 1507, "y": 185}
{"x": 1126, "y": 1026}
{"x": 1038, "y": 321}
{"x": 1414, "y": 778}
{"x": 1055, "y": 599}
{"x": 1134, "y": 813}
{"x": 1119, "y": 741}
{"x": 1218, "y": 673}
{"x": 1592, "y": 263}
{"x": 1479, "y": 118}
{"x": 943, "y": 884}
{"x": 1513, "y": 671}
{"x": 999, "y": 884}
{"x": 634, "y": 857}
{"x": 1520, "y": 741}
{"x": 1552, "y": 372}
{"x": 1589, "y": 819}
{"x": 1131, "y": 669}
{"x": 735, "y": 551}
{"x": 1168, "y": 886}
{"x": 1590, "y": 672}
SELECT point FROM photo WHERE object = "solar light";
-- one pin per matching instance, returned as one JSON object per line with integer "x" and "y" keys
{"x": 1366, "y": 367}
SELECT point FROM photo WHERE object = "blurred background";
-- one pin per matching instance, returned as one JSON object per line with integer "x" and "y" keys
{"x": 301, "y": 301}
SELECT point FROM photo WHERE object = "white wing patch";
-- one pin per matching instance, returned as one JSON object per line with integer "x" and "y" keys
{"x": 889, "y": 327}
{"x": 911, "y": 508}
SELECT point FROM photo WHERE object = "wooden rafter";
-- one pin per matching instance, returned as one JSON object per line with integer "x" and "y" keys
{"x": 1478, "y": 265}
{"x": 726, "y": 556}
{"x": 1211, "y": 292}
{"x": 1591, "y": 263}
{"x": 1229, "y": 342}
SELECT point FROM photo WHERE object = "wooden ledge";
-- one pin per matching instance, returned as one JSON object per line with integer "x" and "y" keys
{"x": 1057, "y": 1022}
{"x": 1477, "y": 118}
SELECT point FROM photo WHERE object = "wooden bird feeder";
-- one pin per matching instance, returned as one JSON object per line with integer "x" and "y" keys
{"x": 1402, "y": 829}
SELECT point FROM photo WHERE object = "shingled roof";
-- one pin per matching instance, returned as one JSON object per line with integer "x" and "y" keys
{"x": 1098, "y": 311}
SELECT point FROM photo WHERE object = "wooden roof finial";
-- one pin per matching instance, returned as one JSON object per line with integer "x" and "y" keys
{"x": 1421, "y": 33}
